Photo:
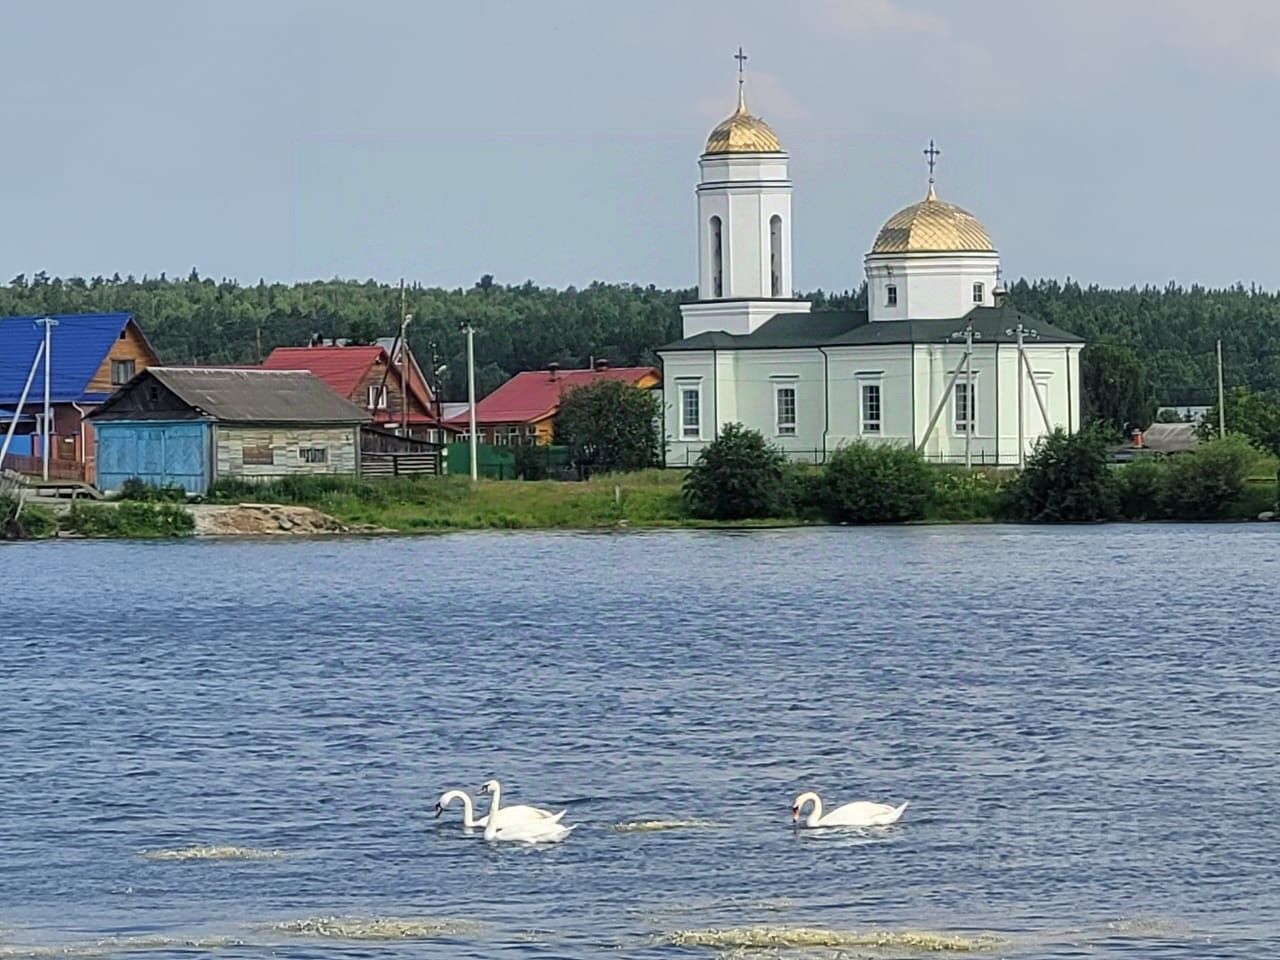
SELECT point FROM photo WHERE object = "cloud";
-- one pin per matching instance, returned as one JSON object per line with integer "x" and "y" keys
{"x": 870, "y": 16}
{"x": 1230, "y": 36}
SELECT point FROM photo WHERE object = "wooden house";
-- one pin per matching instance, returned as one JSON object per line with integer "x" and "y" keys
{"x": 92, "y": 355}
{"x": 191, "y": 426}
{"x": 372, "y": 376}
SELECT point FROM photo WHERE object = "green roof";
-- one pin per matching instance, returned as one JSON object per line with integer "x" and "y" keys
{"x": 854, "y": 329}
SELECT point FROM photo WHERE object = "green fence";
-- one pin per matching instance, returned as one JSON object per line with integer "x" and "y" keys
{"x": 510, "y": 463}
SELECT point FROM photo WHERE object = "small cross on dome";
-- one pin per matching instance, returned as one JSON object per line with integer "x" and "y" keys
{"x": 931, "y": 157}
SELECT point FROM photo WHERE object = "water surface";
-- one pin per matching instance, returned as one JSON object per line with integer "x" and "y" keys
{"x": 227, "y": 749}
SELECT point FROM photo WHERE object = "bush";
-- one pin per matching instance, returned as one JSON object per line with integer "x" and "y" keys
{"x": 135, "y": 488}
{"x": 28, "y": 523}
{"x": 129, "y": 519}
{"x": 1205, "y": 483}
{"x": 960, "y": 494}
{"x": 737, "y": 477}
{"x": 1140, "y": 489}
{"x": 1067, "y": 478}
{"x": 804, "y": 490}
{"x": 610, "y": 427}
{"x": 880, "y": 483}
{"x": 532, "y": 462}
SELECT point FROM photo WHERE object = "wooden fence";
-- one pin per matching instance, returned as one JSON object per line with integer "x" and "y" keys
{"x": 399, "y": 464}
{"x": 34, "y": 467}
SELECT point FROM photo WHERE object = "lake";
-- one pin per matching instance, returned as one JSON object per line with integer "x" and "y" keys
{"x": 1085, "y": 721}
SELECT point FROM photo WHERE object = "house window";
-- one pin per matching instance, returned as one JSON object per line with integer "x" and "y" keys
{"x": 977, "y": 293}
{"x": 691, "y": 412}
{"x": 513, "y": 436}
{"x": 258, "y": 455}
{"x": 891, "y": 295}
{"x": 871, "y": 408}
{"x": 378, "y": 397}
{"x": 966, "y": 410}
{"x": 784, "y": 402}
{"x": 775, "y": 255}
{"x": 717, "y": 259}
{"x": 122, "y": 371}
{"x": 314, "y": 454}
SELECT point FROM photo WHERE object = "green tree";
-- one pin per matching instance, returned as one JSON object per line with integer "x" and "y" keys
{"x": 1067, "y": 478}
{"x": 738, "y": 476}
{"x": 876, "y": 483}
{"x": 1115, "y": 388}
{"x": 610, "y": 426}
{"x": 1251, "y": 414}
{"x": 1204, "y": 483}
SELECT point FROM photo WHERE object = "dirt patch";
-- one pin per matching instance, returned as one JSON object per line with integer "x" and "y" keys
{"x": 267, "y": 519}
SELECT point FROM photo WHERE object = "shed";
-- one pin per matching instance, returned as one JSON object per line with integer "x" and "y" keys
{"x": 191, "y": 426}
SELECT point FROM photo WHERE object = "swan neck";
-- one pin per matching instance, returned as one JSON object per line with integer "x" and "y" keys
{"x": 468, "y": 812}
{"x": 815, "y": 817}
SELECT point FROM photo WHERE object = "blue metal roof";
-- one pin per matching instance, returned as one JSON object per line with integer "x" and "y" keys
{"x": 81, "y": 342}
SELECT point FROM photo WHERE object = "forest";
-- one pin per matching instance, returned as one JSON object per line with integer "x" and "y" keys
{"x": 1170, "y": 330}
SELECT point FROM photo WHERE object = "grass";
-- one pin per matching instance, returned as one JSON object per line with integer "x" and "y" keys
{"x": 649, "y": 498}
{"x": 128, "y": 520}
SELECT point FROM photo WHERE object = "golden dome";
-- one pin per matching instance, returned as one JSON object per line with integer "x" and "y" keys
{"x": 932, "y": 226}
{"x": 743, "y": 133}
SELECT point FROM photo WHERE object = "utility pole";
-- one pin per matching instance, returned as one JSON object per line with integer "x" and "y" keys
{"x": 1222, "y": 419}
{"x": 1022, "y": 446}
{"x": 471, "y": 397}
{"x": 22, "y": 402}
{"x": 404, "y": 364}
{"x": 46, "y": 420}
{"x": 968, "y": 395}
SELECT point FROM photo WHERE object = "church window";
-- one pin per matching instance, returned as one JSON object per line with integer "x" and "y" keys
{"x": 784, "y": 401}
{"x": 891, "y": 295}
{"x": 691, "y": 412}
{"x": 717, "y": 259}
{"x": 871, "y": 408}
{"x": 775, "y": 255}
{"x": 977, "y": 293}
{"x": 966, "y": 409}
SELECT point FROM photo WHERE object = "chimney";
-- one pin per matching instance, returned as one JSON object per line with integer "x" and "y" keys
{"x": 602, "y": 364}
{"x": 554, "y": 370}
{"x": 1137, "y": 438}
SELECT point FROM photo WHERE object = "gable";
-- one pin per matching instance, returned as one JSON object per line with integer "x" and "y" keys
{"x": 146, "y": 398}
{"x": 81, "y": 344}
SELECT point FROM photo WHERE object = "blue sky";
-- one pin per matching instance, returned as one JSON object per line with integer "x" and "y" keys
{"x": 1115, "y": 141}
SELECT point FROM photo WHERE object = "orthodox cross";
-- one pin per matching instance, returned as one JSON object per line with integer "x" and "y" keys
{"x": 931, "y": 156}
{"x": 742, "y": 60}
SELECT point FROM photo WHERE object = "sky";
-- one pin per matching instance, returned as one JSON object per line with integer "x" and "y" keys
{"x": 1115, "y": 142}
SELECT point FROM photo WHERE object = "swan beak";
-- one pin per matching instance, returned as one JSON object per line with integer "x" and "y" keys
{"x": 439, "y": 809}
{"x": 795, "y": 815}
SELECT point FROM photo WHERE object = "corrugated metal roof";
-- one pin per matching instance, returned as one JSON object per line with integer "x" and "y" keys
{"x": 342, "y": 368}
{"x": 854, "y": 329}
{"x": 535, "y": 394}
{"x": 248, "y": 396}
{"x": 80, "y": 343}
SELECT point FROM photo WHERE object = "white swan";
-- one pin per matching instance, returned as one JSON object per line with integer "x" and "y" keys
{"x": 860, "y": 813}
{"x": 543, "y": 830}
{"x": 468, "y": 813}
{"x": 501, "y": 817}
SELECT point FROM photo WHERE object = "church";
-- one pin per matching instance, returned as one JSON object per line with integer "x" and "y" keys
{"x": 937, "y": 360}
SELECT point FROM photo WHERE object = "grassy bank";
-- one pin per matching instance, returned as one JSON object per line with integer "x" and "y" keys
{"x": 649, "y": 498}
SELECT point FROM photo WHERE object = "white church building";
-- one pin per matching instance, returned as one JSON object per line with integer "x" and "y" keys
{"x": 899, "y": 372}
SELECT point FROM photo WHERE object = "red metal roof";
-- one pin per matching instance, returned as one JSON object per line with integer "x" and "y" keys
{"x": 342, "y": 368}
{"x": 535, "y": 394}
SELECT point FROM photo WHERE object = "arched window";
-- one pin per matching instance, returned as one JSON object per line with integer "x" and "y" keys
{"x": 717, "y": 259}
{"x": 775, "y": 255}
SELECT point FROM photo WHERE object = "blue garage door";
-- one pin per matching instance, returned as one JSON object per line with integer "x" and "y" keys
{"x": 159, "y": 453}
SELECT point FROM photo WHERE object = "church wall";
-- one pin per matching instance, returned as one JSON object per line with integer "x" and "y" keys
{"x": 889, "y": 368}
{"x": 759, "y": 374}
{"x": 929, "y": 287}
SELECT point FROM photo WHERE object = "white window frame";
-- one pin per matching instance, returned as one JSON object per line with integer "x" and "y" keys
{"x": 377, "y": 396}
{"x": 688, "y": 431}
{"x": 863, "y": 429}
{"x": 979, "y": 292}
{"x": 891, "y": 295}
{"x": 961, "y": 426}
{"x": 780, "y": 384}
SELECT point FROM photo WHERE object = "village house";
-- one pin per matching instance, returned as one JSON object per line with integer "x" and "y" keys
{"x": 92, "y": 355}
{"x": 373, "y": 377}
{"x": 192, "y": 426}
{"x": 523, "y": 410}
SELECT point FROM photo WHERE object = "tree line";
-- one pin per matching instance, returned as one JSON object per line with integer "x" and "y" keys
{"x": 1165, "y": 336}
